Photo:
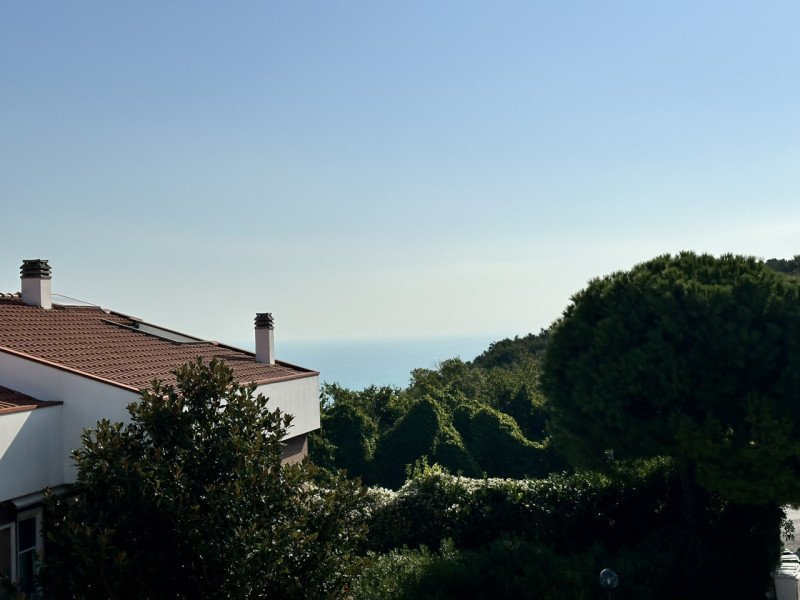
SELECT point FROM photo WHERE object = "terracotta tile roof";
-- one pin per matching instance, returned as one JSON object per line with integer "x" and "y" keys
{"x": 106, "y": 345}
{"x": 11, "y": 401}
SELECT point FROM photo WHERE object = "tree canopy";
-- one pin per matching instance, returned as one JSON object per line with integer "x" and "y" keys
{"x": 789, "y": 266}
{"x": 481, "y": 418}
{"x": 687, "y": 356}
{"x": 508, "y": 353}
{"x": 190, "y": 500}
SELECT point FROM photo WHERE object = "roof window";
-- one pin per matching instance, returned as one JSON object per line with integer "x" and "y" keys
{"x": 159, "y": 332}
{"x": 61, "y": 300}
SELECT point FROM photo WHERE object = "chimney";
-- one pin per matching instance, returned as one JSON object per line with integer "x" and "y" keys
{"x": 35, "y": 276}
{"x": 265, "y": 339}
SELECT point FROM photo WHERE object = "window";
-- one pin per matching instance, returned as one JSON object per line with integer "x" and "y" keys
{"x": 7, "y": 562}
{"x": 28, "y": 546}
{"x": 156, "y": 331}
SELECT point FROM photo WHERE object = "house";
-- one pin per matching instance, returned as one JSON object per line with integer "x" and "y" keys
{"x": 65, "y": 364}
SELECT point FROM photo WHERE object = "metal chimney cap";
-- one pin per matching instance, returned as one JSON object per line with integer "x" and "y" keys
{"x": 264, "y": 321}
{"x": 34, "y": 268}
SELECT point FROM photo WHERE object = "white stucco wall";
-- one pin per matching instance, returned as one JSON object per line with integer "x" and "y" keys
{"x": 30, "y": 451}
{"x": 85, "y": 402}
{"x": 299, "y": 398}
{"x": 51, "y": 433}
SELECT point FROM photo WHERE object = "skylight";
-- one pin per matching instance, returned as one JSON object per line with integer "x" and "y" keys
{"x": 67, "y": 301}
{"x": 156, "y": 331}
{"x": 172, "y": 336}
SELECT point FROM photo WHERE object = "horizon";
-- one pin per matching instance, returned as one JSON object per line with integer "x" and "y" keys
{"x": 396, "y": 170}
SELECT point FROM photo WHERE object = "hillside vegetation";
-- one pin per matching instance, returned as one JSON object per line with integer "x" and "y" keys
{"x": 790, "y": 266}
{"x": 485, "y": 417}
{"x": 500, "y": 514}
{"x": 671, "y": 387}
{"x": 480, "y": 418}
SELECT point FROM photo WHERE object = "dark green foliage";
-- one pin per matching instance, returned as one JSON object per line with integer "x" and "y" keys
{"x": 527, "y": 407}
{"x": 508, "y": 353}
{"x": 190, "y": 500}
{"x": 496, "y": 443}
{"x": 410, "y": 438}
{"x": 470, "y": 419}
{"x": 450, "y": 384}
{"x": 572, "y": 526}
{"x": 393, "y": 575}
{"x": 787, "y": 266}
{"x": 9, "y": 590}
{"x": 384, "y": 404}
{"x": 689, "y": 356}
{"x": 731, "y": 555}
{"x": 351, "y": 423}
{"x": 421, "y": 431}
{"x": 508, "y": 568}
{"x": 511, "y": 568}
{"x": 353, "y": 434}
{"x": 561, "y": 510}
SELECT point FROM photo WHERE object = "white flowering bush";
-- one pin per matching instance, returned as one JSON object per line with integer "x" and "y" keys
{"x": 629, "y": 519}
{"x": 562, "y": 509}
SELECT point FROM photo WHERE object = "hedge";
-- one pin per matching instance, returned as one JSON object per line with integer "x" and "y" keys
{"x": 632, "y": 520}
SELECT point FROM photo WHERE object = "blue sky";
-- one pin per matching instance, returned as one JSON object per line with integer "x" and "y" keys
{"x": 385, "y": 169}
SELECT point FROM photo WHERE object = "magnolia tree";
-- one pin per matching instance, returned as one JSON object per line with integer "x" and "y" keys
{"x": 687, "y": 356}
{"x": 190, "y": 500}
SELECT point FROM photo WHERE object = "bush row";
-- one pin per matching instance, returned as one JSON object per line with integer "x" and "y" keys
{"x": 562, "y": 510}
{"x": 508, "y": 568}
{"x": 630, "y": 520}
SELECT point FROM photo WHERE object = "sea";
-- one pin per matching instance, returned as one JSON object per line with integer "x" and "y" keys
{"x": 357, "y": 363}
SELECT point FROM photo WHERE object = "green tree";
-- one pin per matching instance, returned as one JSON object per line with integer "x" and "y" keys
{"x": 381, "y": 404}
{"x": 497, "y": 445}
{"x": 468, "y": 418}
{"x": 353, "y": 434}
{"x": 528, "y": 408}
{"x": 687, "y": 356}
{"x": 451, "y": 383}
{"x": 425, "y": 430}
{"x": 190, "y": 500}
{"x": 789, "y": 266}
{"x": 508, "y": 353}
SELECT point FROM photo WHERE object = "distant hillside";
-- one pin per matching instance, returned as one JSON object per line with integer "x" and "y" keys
{"x": 508, "y": 353}
{"x": 789, "y": 266}
{"x": 485, "y": 417}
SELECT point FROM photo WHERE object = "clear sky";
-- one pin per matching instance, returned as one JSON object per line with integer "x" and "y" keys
{"x": 388, "y": 168}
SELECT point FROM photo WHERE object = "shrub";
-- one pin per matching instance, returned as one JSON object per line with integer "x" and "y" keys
{"x": 392, "y": 575}
{"x": 424, "y": 430}
{"x": 352, "y": 433}
{"x": 508, "y": 568}
{"x": 498, "y": 446}
{"x": 190, "y": 500}
{"x": 631, "y": 518}
{"x": 527, "y": 407}
{"x": 508, "y": 353}
{"x": 562, "y": 510}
